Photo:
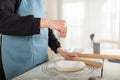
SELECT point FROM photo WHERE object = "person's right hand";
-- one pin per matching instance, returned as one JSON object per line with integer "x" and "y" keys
{"x": 59, "y": 25}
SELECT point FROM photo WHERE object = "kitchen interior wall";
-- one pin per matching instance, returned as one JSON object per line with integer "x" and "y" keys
{"x": 52, "y": 8}
{"x": 52, "y": 13}
{"x": 84, "y": 17}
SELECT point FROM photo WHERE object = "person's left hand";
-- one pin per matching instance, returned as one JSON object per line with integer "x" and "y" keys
{"x": 66, "y": 55}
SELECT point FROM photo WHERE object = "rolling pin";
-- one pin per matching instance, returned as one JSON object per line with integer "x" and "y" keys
{"x": 89, "y": 62}
{"x": 107, "y": 41}
{"x": 99, "y": 56}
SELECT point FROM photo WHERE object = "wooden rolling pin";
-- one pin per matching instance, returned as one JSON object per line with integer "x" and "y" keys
{"x": 100, "y": 56}
{"x": 89, "y": 62}
{"x": 107, "y": 41}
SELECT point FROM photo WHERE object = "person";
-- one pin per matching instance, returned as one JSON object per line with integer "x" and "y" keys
{"x": 26, "y": 34}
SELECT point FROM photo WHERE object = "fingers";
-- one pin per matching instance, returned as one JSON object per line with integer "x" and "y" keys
{"x": 70, "y": 56}
{"x": 67, "y": 55}
{"x": 59, "y": 25}
{"x": 63, "y": 31}
{"x": 73, "y": 56}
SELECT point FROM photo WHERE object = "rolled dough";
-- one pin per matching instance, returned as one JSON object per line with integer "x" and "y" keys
{"x": 68, "y": 66}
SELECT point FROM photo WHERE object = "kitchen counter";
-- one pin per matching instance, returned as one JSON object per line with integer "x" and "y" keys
{"x": 46, "y": 71}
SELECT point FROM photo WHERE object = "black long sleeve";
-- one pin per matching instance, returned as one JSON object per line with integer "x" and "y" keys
{"x": 53, "y": 42}
{"x": 13, "y": 24}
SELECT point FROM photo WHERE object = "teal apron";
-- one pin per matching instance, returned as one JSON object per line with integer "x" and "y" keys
{"x": 21, "y": 53}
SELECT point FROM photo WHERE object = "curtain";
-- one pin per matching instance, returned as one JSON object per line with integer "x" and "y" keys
{"x": 84, "y": 17}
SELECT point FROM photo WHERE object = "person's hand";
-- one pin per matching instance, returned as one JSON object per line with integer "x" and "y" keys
{"x": 67, "y": 55}
{"x": 59, "y": 25}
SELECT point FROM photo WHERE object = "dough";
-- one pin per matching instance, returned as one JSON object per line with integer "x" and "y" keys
{"x": 69, "y": 65}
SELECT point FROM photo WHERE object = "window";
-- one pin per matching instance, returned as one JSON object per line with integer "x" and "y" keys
{"x": 84, "y": 17}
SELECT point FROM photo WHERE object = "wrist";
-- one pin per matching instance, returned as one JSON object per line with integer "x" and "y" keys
{"x": 44, "y": 23}
{"x": 59, "y": 50}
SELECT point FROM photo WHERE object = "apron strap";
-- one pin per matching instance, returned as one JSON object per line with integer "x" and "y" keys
{"x": 2, "y": 74}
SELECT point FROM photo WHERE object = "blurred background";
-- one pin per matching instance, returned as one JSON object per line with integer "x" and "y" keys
{"x": 84, "y": 17}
